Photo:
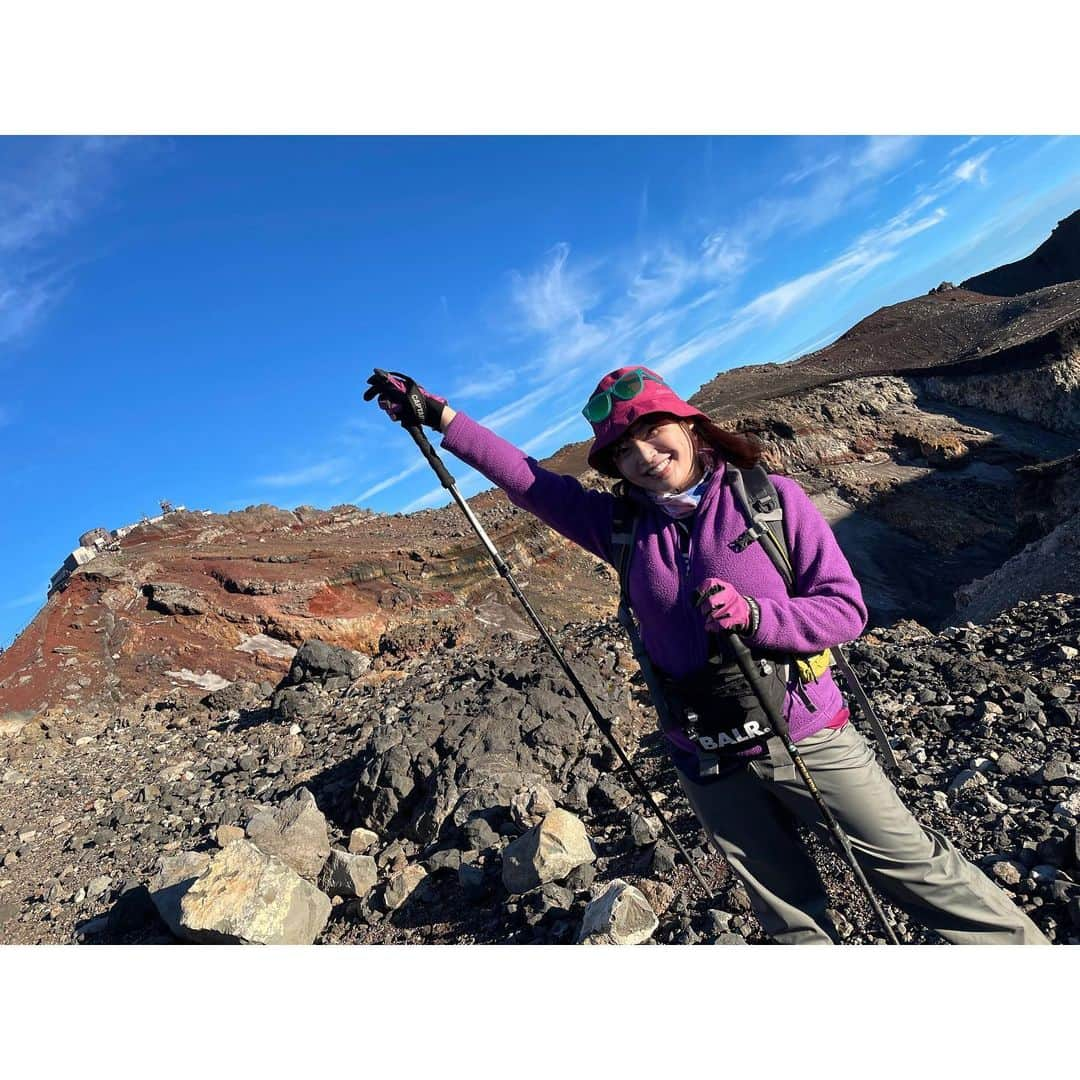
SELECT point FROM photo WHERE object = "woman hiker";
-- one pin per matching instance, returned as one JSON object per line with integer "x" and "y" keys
{"x": 677, "y": 468}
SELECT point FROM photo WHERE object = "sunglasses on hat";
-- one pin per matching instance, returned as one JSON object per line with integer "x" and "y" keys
{"x": 625, "y": 388}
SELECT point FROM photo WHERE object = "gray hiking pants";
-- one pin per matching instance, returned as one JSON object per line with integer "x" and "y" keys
{"x": 750, "y": 817}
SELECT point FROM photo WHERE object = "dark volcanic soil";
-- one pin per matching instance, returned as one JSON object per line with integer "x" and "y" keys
{"x": 984, "y": 720}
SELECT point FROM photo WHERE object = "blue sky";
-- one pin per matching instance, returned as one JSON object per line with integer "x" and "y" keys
{"x": 193, "y": 319}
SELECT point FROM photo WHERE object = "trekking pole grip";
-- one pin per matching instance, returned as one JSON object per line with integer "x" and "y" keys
{"x": 433, "y": 458}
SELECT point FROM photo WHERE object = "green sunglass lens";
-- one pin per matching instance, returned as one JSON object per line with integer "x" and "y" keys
{"x": 628, "y": 386}
{"x": 598, "y": 407}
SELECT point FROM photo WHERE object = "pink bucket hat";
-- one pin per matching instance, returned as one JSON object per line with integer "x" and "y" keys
{"x": 654, "y": 397}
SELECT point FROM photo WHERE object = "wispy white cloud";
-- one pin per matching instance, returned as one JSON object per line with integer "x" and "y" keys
{"x": 331, "y": 472}
{"x": 46, "y": 188}
{"x": 797, "y": 176}
{"x": 654, "y": 302}
{"x": 24, "y": 301}
{"x": 553, "y": 296}
{"x": 836, "y": 181}
{"x": 910, "y": 167}
{"x": 881, "y": 153}
{"x": 962, "y": 147}
{"x": 390, "y": 481}
{"x": 467, "y": 485}
{"x": 723, "y": 255}
{"x": 867, "y": 252}
{"x": 870, "y": 250}
{"x": 541, "y": 439}
{"x": 426, "y": 501}
{"x": 973, "y": 168}
{"x": 35, "y": 597}
{"x": 517, "y": 407}
{"x": 484, "y": 380}
{"x": 662, "y": 275}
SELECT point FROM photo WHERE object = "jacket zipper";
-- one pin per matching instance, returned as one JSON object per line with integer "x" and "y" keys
{"x": 684, "y": 557}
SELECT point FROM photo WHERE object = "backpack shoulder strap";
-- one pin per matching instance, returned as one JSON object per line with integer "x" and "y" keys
{"x": 759, "y": 499}
{"x": 757, "y": 495}
{"x": 624, "y": 524}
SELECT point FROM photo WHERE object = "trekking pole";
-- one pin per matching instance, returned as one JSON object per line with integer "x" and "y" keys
{"x": 602, "y": 722}
{"x": 780, "y": 726}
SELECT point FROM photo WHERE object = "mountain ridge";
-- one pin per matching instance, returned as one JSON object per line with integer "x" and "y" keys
{"x": 981, "y": 387}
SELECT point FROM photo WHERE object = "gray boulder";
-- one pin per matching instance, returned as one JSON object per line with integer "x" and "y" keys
{"x": 530, "y": 805}
{"x": 402, "y": 885}
{"x": 316, "y": 660}
{"x": 248, "y": 897}
{"x": 172, "y": 599}
{"x": 644, "y": 830}
{"x": 361, "y": 840}
{"x": 619, "y": 916}
{"x": 317, "y": 669}
{"x": 175, "y": 875}
{"x": 547, "y": 852}
{"x": 348, "y": 875}
{"x": 967, "y": 782}
{"x": 294, "y": 832}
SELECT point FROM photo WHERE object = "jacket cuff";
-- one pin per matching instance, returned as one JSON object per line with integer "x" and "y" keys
{"x": 755, "y": 616}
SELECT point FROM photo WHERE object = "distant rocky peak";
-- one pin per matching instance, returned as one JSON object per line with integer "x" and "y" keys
{"x": 1053, "y": 262}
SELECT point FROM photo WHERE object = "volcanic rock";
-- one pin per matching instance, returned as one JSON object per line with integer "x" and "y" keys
{"x": 547, "y": 852}
{"x": 619, "y": 916}
{"x": 294, "y": 832}
{"x": 402, "y": 885}
{"x": 173, "y": 599}
{"x": 348, "y": 875}
{"x": 175, "y": 876}
{"x": 530, "y": 806}
{"x": 360, "y": 840}
{"x": 248, "y": 897}
{"x": 320, "y": 662}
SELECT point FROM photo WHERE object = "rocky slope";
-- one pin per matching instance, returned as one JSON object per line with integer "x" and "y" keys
{"x": 464, "y": 796}
{"x": 199, "y": 600}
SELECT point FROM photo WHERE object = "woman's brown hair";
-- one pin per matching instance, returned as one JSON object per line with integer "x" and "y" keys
{"x": 741, "y": 450}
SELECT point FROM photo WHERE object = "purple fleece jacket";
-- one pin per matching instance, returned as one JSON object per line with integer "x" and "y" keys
{"x": 827, "y": 607}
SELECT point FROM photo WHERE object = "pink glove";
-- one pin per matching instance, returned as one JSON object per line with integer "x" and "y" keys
{"x": 723, "y": 608}
{"x": 402, "y": 399}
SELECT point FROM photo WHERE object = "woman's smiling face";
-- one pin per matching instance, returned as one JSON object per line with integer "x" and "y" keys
{"x": 657, "y": 454}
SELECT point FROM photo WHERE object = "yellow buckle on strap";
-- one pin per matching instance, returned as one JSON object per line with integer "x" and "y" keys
{"x": 811, "y": 668}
